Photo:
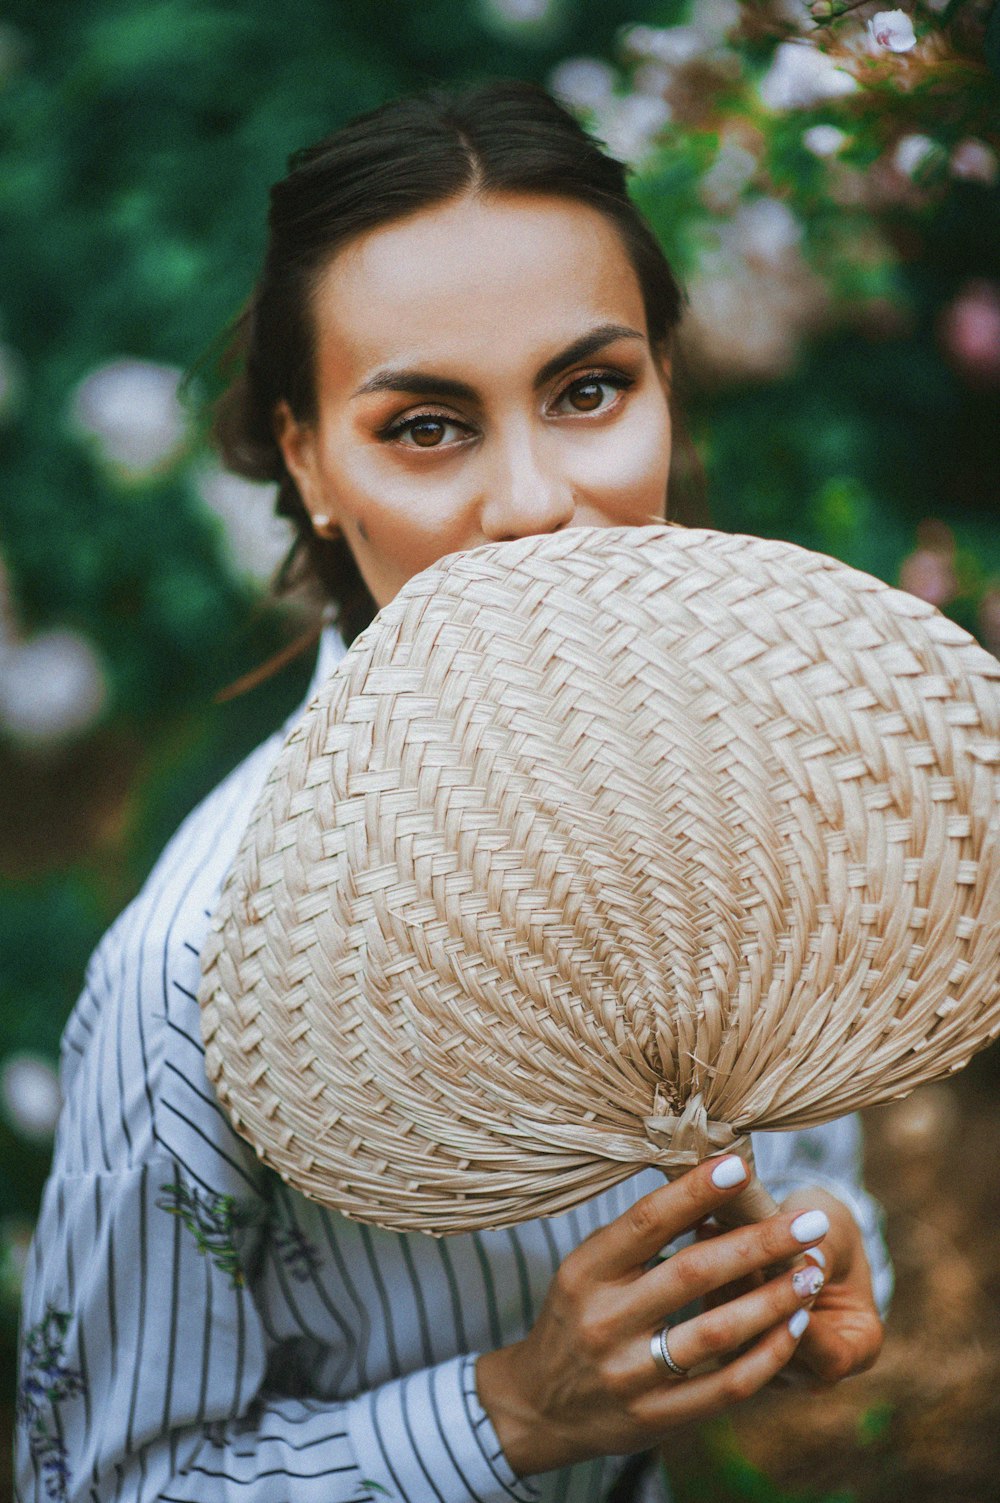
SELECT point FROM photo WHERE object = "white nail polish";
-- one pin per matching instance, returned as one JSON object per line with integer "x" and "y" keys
{"x": 817, "y": 1254}
{"x": 810, "y": 1226}
{"x": 730, "y": 1172}
{"x": 807, "y": 1282}
{"x": 798, "y": 1323}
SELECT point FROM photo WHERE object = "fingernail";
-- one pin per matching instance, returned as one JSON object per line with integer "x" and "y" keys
{"x": 810, "y": 1226}
{"x": 817, "y": 1254}
{"x": 730, "y": 1172}
{"x": 806, "y": 1282}
{"x": 798, "y": 1323}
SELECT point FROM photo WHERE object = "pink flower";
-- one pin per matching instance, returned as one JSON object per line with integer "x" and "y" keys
{"x": 970, "y": 330}
{"x": 975, "y": 162}
{"x": 893, "y": 30}
{"x": 930, "y": 575}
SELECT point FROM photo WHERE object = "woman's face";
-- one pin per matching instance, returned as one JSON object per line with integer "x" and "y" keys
{"x": 483, "y": 372}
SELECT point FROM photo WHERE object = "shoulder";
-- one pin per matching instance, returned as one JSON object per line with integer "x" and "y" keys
{"x": 133, "y": 1066}
{"x": 132, "y": 1055}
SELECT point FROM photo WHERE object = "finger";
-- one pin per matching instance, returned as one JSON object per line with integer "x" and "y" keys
{"x": 727, "y": 1292}
{"x": 846, "y": 1342}
{"x": 625, "y": 1244}
{"x": 723, "y": 1330}
{"x": 677, "y": 1401}
{"x": 704, "y": 1266}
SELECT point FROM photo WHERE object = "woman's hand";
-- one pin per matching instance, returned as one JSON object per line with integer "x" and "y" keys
{"x": 845, "y": 1331}
{"x": 583, "y": 1383}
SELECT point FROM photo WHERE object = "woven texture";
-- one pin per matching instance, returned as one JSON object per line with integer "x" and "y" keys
{"x": 602, "y": 849}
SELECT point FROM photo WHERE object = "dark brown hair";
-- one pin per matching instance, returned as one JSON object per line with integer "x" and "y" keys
{"x": 409, "y": 154}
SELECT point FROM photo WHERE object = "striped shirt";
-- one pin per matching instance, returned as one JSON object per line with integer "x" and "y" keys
{"x": 193, "y": 1329}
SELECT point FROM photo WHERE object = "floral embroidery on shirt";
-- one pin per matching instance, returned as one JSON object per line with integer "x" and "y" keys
{"x": 47, "y": 1381}
{"x": 299, "y": 1255}
{"x": 214, "y": 1221}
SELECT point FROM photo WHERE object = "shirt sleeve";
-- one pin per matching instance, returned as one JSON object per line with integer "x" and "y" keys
{"x": 145, "y": 1371}
{"x": 830, "y": 1156}
{"x": 150, "y": 1369}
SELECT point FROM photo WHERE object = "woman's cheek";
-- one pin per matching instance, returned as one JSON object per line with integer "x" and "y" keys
{"x": 629, "y": 474}
{"x": 411, "y": 532}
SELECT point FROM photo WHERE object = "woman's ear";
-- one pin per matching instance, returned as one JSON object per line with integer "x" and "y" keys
{"x": 297, "y": 442}
{"x": 665, "y": 370}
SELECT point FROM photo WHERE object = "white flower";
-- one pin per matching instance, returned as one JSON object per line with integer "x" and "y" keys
{"x": 975, "y": 162}
{"x": 132, "y": 409}
{"x": 583, "y": 83}
{"x": 29, "y": 1088}
{"x": 766, "y": 231}
{"x": 824, "y": 140}
{"x": 912, "y": 152}
{"x": 753, "y": 296}
{"x": 801, "y": 76}
{"x": 652, "y": 78}
{"x": 715, "y": 19}
{"x": 729, "y": 174}
{"x": 737, "y": 329}
{"x": 892, "y": 30}
{"x": 747, "y": 321}
{"x": 256, "y": 538}
{"x": 629, "y": 126}
{"x": 636, "y": 41}
{"x": 672, "y": 45}
{"x": 51, "y": 687}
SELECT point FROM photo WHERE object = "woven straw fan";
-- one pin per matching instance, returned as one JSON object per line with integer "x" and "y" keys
{"x": 598, "y": 850}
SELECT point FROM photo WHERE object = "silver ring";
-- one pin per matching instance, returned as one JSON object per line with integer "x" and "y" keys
{"x": 659, "y": 1350}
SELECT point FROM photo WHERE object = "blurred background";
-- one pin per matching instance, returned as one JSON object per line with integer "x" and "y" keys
{"x": 826, "y": 180}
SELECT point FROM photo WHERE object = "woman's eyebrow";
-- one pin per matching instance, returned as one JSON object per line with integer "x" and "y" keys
{"x": 426, "y": 384}
{"x": 587, "y": 344}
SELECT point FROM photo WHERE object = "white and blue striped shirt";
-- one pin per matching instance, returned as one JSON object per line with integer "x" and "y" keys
{"x": 194, "y": 1330}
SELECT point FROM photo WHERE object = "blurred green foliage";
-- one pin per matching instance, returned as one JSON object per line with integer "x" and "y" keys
{"x": 720, "y": 1473}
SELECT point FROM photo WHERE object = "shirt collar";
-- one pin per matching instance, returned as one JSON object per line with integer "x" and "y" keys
{"x": 331, "y": 649}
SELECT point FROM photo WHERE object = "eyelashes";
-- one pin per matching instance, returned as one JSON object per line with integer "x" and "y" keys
{"x": 393, "y": 431}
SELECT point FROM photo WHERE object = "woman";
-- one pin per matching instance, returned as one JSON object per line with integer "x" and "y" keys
{"x": 461, "y": 335}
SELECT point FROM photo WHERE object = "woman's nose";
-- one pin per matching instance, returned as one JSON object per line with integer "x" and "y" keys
{"x": 525, "y": 493}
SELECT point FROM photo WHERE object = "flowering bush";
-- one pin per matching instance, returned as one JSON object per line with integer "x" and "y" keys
{"x": 824, "y": 177}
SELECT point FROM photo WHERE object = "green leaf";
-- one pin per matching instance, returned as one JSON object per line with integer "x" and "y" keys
{"x": 874, "y": 1424}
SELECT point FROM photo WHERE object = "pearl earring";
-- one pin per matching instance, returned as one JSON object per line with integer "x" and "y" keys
{"x": 320, "y": 519}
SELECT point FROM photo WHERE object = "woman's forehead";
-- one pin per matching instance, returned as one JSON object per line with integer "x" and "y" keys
{"x": 510, "y": 275}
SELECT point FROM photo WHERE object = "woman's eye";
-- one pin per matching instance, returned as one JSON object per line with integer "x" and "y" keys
{"x": 426, "y": 430}
{"x": 587, "y": 394}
